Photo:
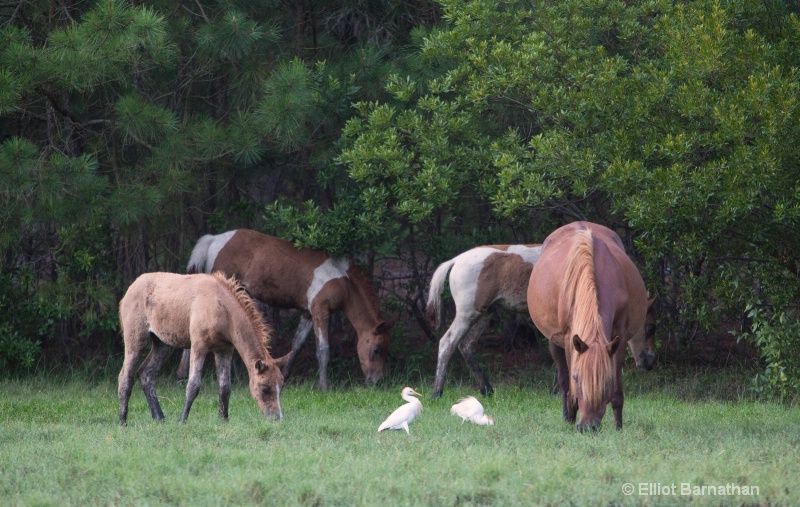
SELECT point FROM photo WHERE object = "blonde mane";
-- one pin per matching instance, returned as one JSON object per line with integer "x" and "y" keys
{"x": 248, "y": 305}
{"x": 593, "y": 366}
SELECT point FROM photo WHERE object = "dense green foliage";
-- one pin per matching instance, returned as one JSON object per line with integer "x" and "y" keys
{"x": 64, "y": 446}
{"x": 126, "y": 131}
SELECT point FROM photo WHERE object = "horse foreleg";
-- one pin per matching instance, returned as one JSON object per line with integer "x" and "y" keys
{"x": 467, "y": 348}
{"x": 569, "y": 408}
{"x": 618, "y": 398}
{"x": 223, "y": 362}
{"x": 300, "y": 336}
{"x": 198, "y": 356}
{"x": 321, "y": 324}
{"x": 148, "y": 372}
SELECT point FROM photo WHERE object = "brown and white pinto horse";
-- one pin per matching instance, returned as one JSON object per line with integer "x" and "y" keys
{"x": 496, "y": 275}
{"x": 479, "y": 278}
{"x": 276, "y": 273}
{"x": 587, "y": 297}
{"x": 208, "y": 314}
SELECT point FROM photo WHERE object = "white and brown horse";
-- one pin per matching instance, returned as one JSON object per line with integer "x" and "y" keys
{"x": 495, "y": 275}
{"x": 208, "y": 313}
{"x": 587, "y": 297}
{"x": 479, "y": 278}
{"x": 276, "y": 273}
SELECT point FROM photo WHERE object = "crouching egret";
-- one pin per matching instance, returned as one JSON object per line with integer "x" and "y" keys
{"x": 400, "y": 418}
{"x": 470, "y": 409}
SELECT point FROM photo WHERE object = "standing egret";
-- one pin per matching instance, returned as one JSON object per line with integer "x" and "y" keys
{"x": 470, "y": 409}
{"x": 400, "y": 418}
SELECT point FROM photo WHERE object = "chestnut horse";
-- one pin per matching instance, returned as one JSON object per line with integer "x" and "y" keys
{"x": 276, "y": 273}
{"x": 587, "y": 297}
{"x": 206, "y": 313}
{"x": 496, "y": 275}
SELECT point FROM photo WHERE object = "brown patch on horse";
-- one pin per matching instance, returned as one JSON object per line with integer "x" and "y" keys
{"x": 271, "y": 269}
{"x": 502, "y": 274}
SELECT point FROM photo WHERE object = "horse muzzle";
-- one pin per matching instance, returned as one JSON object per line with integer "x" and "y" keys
{"x": 374, "y": 377}
{"x": 272, "y": 415}
{"x": 593, "y": 426}
{"x": 646, "y": 361}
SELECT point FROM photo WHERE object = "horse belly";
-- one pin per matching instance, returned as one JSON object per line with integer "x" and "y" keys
{"x": 511, "y": 275}
{"x": 170, "y": 324}
{"x": 543, "y": 303}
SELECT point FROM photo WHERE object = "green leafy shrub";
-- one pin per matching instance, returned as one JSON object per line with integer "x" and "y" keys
{"x": 777, "y": 336}
{"x": 26, "y": 318}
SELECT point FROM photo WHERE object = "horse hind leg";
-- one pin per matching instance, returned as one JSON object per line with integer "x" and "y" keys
{"x": 447, "y": 345}
{"x": 223, "y": 362}
{"x": 467, "y": 348}
{"x": 133, "y": 350}
{"x": 182, "y": 373}
{"x": 300, "y": 337}
{"x": 148, "y": 372}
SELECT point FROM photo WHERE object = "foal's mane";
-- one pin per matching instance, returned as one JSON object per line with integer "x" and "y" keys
{"x": 248, "y": 305}
{"x": 594, "y": 365}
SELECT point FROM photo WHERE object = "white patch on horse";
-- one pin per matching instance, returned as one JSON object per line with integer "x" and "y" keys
{"x": 220, "y": 240}
{"x": 528, "y": 253}
{"x": 329, "y": 270}
{"x": 278, "y": 397}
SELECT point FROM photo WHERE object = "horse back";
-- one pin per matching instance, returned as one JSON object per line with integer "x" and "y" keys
{"x": 620, "y": 289}
{"x": 622, "y": 298}
{"x": 271, "y": 269}
{"x": 173, "y": 307}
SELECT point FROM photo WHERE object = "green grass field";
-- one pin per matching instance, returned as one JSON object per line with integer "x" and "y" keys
{"x": 61, "y": 444}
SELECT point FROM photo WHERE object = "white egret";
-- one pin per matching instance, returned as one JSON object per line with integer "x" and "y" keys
{"x": 400, "y": 418}
{"x": 470, "y": 409}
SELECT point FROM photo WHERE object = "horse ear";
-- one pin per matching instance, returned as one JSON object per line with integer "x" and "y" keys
{"x": 260, "y": 366}
{"x": 613, "y": 346}
{"x": 579, "y": 345}
{"x": 281, "y": 361}
{"x": 383, "y": 327}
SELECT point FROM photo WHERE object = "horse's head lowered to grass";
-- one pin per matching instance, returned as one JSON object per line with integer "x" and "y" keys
{"x": 588, "y": 298}
{"x": 372, "y": 350}
{"x": 266, "y": 384}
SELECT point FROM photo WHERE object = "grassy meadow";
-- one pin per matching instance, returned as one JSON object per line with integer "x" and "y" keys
{"x": 61, "y": 444}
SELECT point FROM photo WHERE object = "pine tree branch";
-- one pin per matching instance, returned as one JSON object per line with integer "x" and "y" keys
{"x": 56, "y": 104}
